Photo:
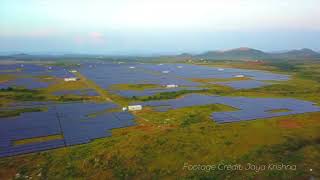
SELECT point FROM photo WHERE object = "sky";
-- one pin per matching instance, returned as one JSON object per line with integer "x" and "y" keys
{"x": 135, "y": 27}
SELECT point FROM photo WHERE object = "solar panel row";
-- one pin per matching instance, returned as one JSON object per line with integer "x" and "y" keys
{"x": 248, "y": 108}
{"x": 77, "y": 122}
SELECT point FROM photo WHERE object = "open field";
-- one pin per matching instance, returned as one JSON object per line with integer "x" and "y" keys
{"x": 170, "y": 144}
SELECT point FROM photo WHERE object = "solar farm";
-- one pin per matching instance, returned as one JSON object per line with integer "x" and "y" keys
{"x": 42, "y": 111}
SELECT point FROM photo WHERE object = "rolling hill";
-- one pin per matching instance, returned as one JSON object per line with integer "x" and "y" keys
{"x": 249, "y": 53}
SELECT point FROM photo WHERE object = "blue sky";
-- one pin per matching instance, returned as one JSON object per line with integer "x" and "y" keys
{"x": 157, "y": 26}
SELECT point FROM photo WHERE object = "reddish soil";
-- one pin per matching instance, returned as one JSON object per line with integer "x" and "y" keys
{"x": 290, "y": 124}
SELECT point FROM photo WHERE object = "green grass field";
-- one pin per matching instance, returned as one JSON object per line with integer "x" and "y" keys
{"x": 165, "y": 145}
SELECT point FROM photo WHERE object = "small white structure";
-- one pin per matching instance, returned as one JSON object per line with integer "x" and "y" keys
{"x": 132, "y": 67}
{"x": 220, "y": 69}
{"x": 135, "y": 107}
{"x": 124, "y": 108}
{"x": 239, "y": 76}
{"x": 70, "y": 79}
{"x": 165, "y": 72}
{"x": 73, "y": 71}
{"x": 171, "y": 86}
{"x": 160, "y": 64}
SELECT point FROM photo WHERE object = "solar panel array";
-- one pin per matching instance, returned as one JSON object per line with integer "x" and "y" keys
{"x": 76, "y": 122}
{"x": 107, "y": 74}
{"x": 197, "y": 71}
{"x": 9, "y": 68}
{"x": 32, "y": 71}
{"x": 82, "y": 122}
{"x": 248, "y": 108}
{"x": 28, "y": 83}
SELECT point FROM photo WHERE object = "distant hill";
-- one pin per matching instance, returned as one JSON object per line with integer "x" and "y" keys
{"x": 301, "y": 53}
{"x": 242, "y": 53}
{"x": 239, "y": 53}
{"x": 249, "y": 53}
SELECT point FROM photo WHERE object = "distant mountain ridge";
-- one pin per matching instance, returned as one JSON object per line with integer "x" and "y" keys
{"x": 242, "y": 53}
{"x": 250, "y": 53}
{"x": 302, "y": 53}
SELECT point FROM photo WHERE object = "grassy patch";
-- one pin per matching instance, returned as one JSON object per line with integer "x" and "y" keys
{"x": 190, "y": 119}
{"x": 68, "y": 98}
{"x": 134, "y": 86}
{"x": 17, "y": 112}
{"x": 6, "y": 77}
{"x": 61, "y": 85}
{"x": 167, "y": 95}
{"x": 23, "y": 96}
{"x": 92, "y": 85}
{"x": 278, "y": 110}
{"x": 210, "y": 80}
{"x": 37, "y": 140}
{"x": 290, "y": 152}
{"x": 19, "y": 90}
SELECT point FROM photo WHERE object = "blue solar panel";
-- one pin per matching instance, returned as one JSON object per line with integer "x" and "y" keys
{"x": 75, "y": 121}
{"x": 248, "y": 108}
{"x": 28, "y": 83}
{"x": 109, "y": 74}
{"x": 196, "y": 71}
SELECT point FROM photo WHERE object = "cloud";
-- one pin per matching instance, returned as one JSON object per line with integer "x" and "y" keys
{"x": 92, "y": 38}
{"x": 96, "y": 37}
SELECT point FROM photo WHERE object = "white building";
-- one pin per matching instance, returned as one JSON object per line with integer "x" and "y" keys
{"x": 239, "y": 76}
{"x": 73, "y": 71}
{"x": 165, "y": 72}
{"x": 171, "y": 86}
{"x": 135, "y": 107}
{"x": 131, "y": 67}
{"x": 220, "y": 69}
{"x": 70, "y": 79}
